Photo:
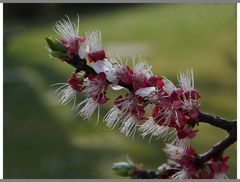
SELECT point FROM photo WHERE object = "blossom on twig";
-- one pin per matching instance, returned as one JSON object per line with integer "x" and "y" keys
{"x": 175, "y": 109}
{"x": 96, "y": 86}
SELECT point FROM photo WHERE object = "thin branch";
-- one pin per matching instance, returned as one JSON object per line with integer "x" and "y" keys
{"x": 216, "y": 150}
{"x": 216, "y": 121}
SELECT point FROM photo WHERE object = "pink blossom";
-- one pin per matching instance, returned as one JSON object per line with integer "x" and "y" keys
{"x": 123, "y": 74}
{"x": 141, "y": 73}
{"x": 219, "y": 166}
{"x": 187, "y": 165}
{"x": 94, "y": 44}
{"x": 96, "y": 56}
{"x": 129, "y": 111}
{"x": 67, "y": 91}
{"x": 96, "y": 86}
{"x": 68, "y": 32}
{"x": 136, "y": 108}
{"x": 76, "y": 84}
{"x": 187, "y": 168}
{"x": 156, "y": 81}
{"x": 106, "y": 67}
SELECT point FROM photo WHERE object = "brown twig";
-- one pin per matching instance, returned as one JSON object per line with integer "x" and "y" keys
{"x": 217, "y": 121}
{"x": 227, "y": 125}
{"x": 218, "y": 148}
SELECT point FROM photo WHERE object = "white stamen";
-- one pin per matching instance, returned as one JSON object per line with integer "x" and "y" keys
{"x": 113, "y": 117}
{"x": 94, "y": 40}
{"x": 94, "y": 87}
{"x": 151, "y": 127}
{"x": 189, "y": 103}
{"x": 116, "y": 61}
{"x": 142, "y": 68}
{"x": 66, "y": 93}
{"x": 150, "y": 93}
{"x": 67, "y": 29}
{"x": 186, "y": 80}
{"x": 174, "y": 152}
{"x": 182, "y": 174}
{"x": 182, "y": 143}
{"x": 129, "y": 125}
{"x": 90, "y": 105}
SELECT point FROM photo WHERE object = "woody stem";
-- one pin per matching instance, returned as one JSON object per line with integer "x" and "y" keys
{"x": 218, "y": 148}
{"x": 227, "y": 125}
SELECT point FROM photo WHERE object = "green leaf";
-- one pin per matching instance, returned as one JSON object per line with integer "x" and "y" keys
{"x": 50, "y": 44}
{"x": 59, "y": 46}
{"x": 58, "y": 54}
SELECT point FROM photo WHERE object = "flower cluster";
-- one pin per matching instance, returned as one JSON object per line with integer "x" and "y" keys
{"x": 185, "y": 165}
{"x": 175, "y": 109}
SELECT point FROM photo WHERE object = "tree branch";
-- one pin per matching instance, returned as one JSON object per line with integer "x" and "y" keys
{"x": 217, "y": 121}
{"x": 216, "y": 150}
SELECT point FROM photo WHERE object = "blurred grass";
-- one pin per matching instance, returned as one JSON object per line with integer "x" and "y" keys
{"x": 45, "y": 140}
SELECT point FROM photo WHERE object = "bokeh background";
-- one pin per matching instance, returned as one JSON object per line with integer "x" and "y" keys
{"x": 45, "y": 140}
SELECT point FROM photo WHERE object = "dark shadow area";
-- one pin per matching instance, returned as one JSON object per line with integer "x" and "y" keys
{"x": 50, "y": 12}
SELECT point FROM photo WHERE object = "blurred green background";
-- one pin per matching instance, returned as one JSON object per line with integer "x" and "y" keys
{"x": 45, "y": 140}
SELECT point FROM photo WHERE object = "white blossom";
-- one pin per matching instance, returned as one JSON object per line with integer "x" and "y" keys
{"x": 94, "y": 89}
{"x": 145, "y": 92}
{"x": 83, "y": 50}
{"x": 106, "y": 67}
{"x": 123, "y": 115}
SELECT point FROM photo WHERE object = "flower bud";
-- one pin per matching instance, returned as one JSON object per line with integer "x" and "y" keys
{"x": 50, "y": 43}
{"x": 56, "y": 45}
{"x": 58, "y": 54}
{"x": 123, "y": 168}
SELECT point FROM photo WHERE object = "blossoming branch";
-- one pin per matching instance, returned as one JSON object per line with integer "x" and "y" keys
{"x": 175, "y": 109}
